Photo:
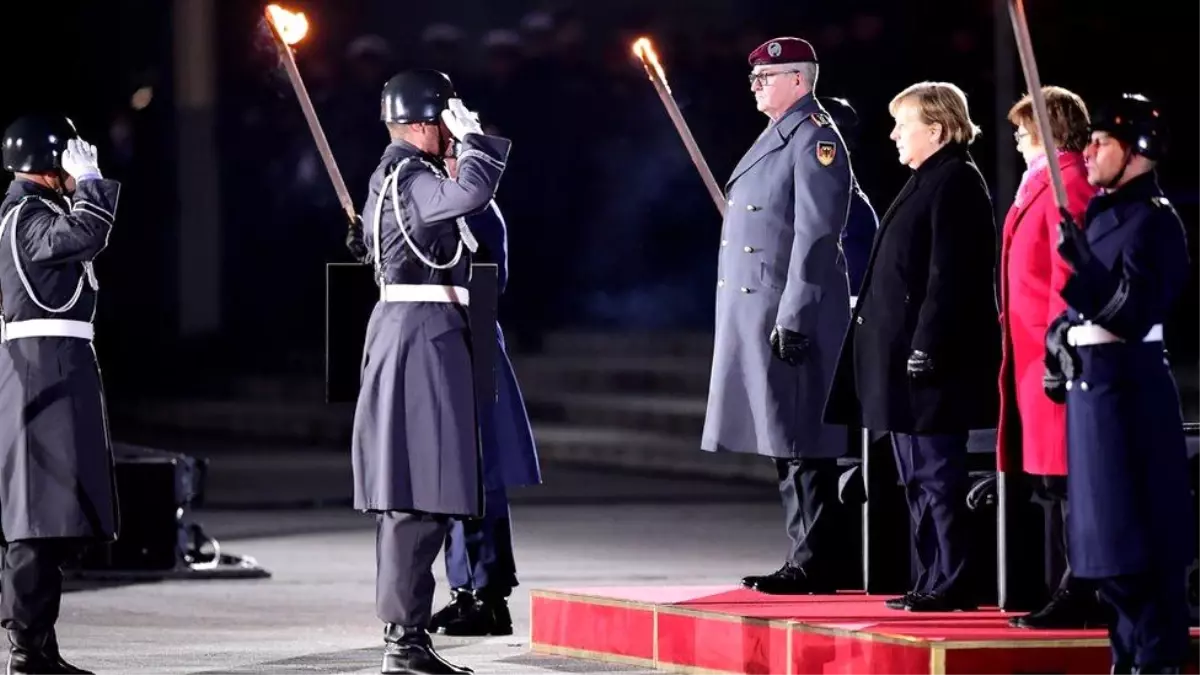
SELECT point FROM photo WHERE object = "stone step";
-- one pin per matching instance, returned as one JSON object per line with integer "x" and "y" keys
{"x": 661, "y": 413}
{"x": 612, "y": 374}
{"x": 585, "y": 343}
{"x": 293, "y": 424}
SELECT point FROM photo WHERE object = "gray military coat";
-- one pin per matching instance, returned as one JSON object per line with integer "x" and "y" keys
{"x": 780, "y": 264}
{"x": 415, "y": 446}
{"x": 56, "y": 464}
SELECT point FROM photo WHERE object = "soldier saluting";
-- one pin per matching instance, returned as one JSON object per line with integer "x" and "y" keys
{"x": 56, "y": 469}
{"x": 783, "y": 306}
{"x": 1130, "y": 523}
{"x": 415, "y": 454}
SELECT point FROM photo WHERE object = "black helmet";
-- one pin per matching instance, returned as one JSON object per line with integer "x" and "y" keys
{"x": 35, "y": 143}
{"x": 841, "y": 111}
{"x": 1134, "y": 120}
{"x": 416, "y": 96}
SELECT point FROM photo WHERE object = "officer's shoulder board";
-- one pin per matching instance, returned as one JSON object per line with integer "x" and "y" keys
{"x": 826, "y": 150}
{"x": 821, "y": 119}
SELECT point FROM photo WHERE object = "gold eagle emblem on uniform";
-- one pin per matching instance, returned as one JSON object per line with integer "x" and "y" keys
{"x": 826, "y": 152}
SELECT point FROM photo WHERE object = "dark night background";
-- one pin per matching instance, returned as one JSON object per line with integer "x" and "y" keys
{"x": 610, "y": 227}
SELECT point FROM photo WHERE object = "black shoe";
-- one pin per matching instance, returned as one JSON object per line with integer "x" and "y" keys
{"x": 488, "y": 615}
{"x": 1065, "y": 610}
{"x": 941, "y": 602}
{"x": 1165, "y": 670}
{"x": 752, "y": 580}
{"x": 792, "y": 580}
{"x": 409, "y": 650}
{"x": 903, "y": 602}
{"x": 38, "y": 654}
{"x": 462, "y": 600}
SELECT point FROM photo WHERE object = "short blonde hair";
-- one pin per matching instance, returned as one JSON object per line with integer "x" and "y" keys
{"x": 1068, "y": 118}
{"x": 940, "y": 103}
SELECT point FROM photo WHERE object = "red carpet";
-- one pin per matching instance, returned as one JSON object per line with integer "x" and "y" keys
{"x": 734, "y": 630}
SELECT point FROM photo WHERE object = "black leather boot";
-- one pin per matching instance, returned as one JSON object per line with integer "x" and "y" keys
{"x": 38, "y": 653}
{"x": 409, "y": 650}
{"x": 1067, "y": 609}
{"x": 488, "y": 615}
{"x": 462, "y": 602}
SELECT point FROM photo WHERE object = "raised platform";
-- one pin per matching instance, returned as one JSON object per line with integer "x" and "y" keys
{"x": 726, "y": 629}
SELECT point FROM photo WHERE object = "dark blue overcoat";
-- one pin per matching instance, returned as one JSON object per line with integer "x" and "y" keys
{"x": 509, "y": 453}
{"x": 1126, "y": 453}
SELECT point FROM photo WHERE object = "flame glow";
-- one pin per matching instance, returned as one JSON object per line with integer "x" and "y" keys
{"x": 292, "y": 26}
{"x": 644, "y": 50}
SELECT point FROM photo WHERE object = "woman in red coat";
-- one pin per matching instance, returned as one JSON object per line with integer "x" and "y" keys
{"x": 1032, "y": 428}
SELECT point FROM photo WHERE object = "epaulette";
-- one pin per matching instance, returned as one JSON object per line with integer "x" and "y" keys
{"x": 821, "y": 119}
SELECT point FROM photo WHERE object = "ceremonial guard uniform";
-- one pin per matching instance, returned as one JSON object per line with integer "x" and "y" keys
{"x": 57, "y": 489}
{"x": 480, "y": 565}
{"x": 862, "y": 222}
{"x": 415, "y": 451}
{"x": 782, "y": 307}
{"x": 1131, "y": 524}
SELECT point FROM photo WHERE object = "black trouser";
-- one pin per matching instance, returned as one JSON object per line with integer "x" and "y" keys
{"x": 406, "y": 546}
{"x": 31, "y": 583}
{"x": 809, "y": 491}
{"x": 1051, "y": 493}
{"x": 933, "y": 470}
{"x": 1149, "y": 626}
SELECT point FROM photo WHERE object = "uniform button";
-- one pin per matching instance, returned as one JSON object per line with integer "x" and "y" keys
{"x": 745, "y": 290}
{"x": 724, "y": 242}
{"x": 858, "y": 320}
{"x": 1083, "y": 386}
{"x": 731, "y": 202}
{"x": 720, "y": 283}
{"x": 749, "y": 249}
{"x": 751, "y": 207}
{"x": 1070, "y": 385}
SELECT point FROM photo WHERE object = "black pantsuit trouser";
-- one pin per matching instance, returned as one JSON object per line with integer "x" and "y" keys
{"x": 933, "y": 469}
{"x": 31, "y": 583}
{"x": 406, "y": 546}
{"x": 808, "y": 488}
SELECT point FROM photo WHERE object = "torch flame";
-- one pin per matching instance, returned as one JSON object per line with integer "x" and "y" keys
{"x": 643, "y": 48}
{"x": 292, "y": 26}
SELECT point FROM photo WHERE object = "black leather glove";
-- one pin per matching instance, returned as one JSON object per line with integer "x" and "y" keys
{"x": 1055, "y": 385}
{"x": 920, "y": 365}
{"x": 1061, "y": 357}
{"x": 1073, "y": 244}
{"x": 788, "y": 346}
{"x": 355, "y": 242}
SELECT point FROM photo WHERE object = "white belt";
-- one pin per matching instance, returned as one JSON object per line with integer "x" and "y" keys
{"x": 425, "y": 293}
{"x": 1091, "y": 334}
{"x": 48, "y": 328}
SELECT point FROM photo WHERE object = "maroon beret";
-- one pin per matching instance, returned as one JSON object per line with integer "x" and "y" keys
{"x": 782, "y": 50}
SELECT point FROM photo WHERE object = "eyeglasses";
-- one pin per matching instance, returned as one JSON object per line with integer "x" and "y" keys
{"x": 762, "y": 78}
{"x": 1019, "y": 134}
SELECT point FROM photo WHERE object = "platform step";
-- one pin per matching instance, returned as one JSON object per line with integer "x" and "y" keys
{"x": 582, "y": 343}
{"x": 634, "y": 373}
{"x": 735, "y": 630}
{"x": 668, "y": 414}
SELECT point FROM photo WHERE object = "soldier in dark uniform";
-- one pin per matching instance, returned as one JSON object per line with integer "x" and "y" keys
{"x": 57, "y": 491}
{"x": 782, "y": 307}
{"x": 1131, "y": 524}
{"x": 862, "y": 221}
{"x": 415, "y": 453}
{"x": 480, "y": 564}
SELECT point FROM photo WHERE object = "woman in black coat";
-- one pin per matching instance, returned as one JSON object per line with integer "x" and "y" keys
{"x": 922, "y": 354}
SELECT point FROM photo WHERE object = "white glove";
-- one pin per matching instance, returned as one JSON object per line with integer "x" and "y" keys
{"x": 459, "y": 120}
{"x": 79, "y": 160}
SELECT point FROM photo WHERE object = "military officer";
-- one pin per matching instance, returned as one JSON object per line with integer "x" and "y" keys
{"x": 782, "y": 306}
{"x": 862, "y": 221}
{"x": 480, "y": 564}
{"x": 415, "y": 452}
{"x": 1131, "y": 524}
{"x": 57, "y": 491}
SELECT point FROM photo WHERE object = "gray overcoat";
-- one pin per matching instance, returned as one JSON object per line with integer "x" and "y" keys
{"x": 780, "y": 264}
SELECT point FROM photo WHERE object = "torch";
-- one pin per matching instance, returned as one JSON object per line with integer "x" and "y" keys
{"x": 288, "y": 28}
{"x": 1016, "y": 10}
{"x": 644, "y": 50}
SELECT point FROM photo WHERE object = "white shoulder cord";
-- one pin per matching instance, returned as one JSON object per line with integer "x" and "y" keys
{"x": 88, "y": 273}
{"x": 391, "y": 180}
